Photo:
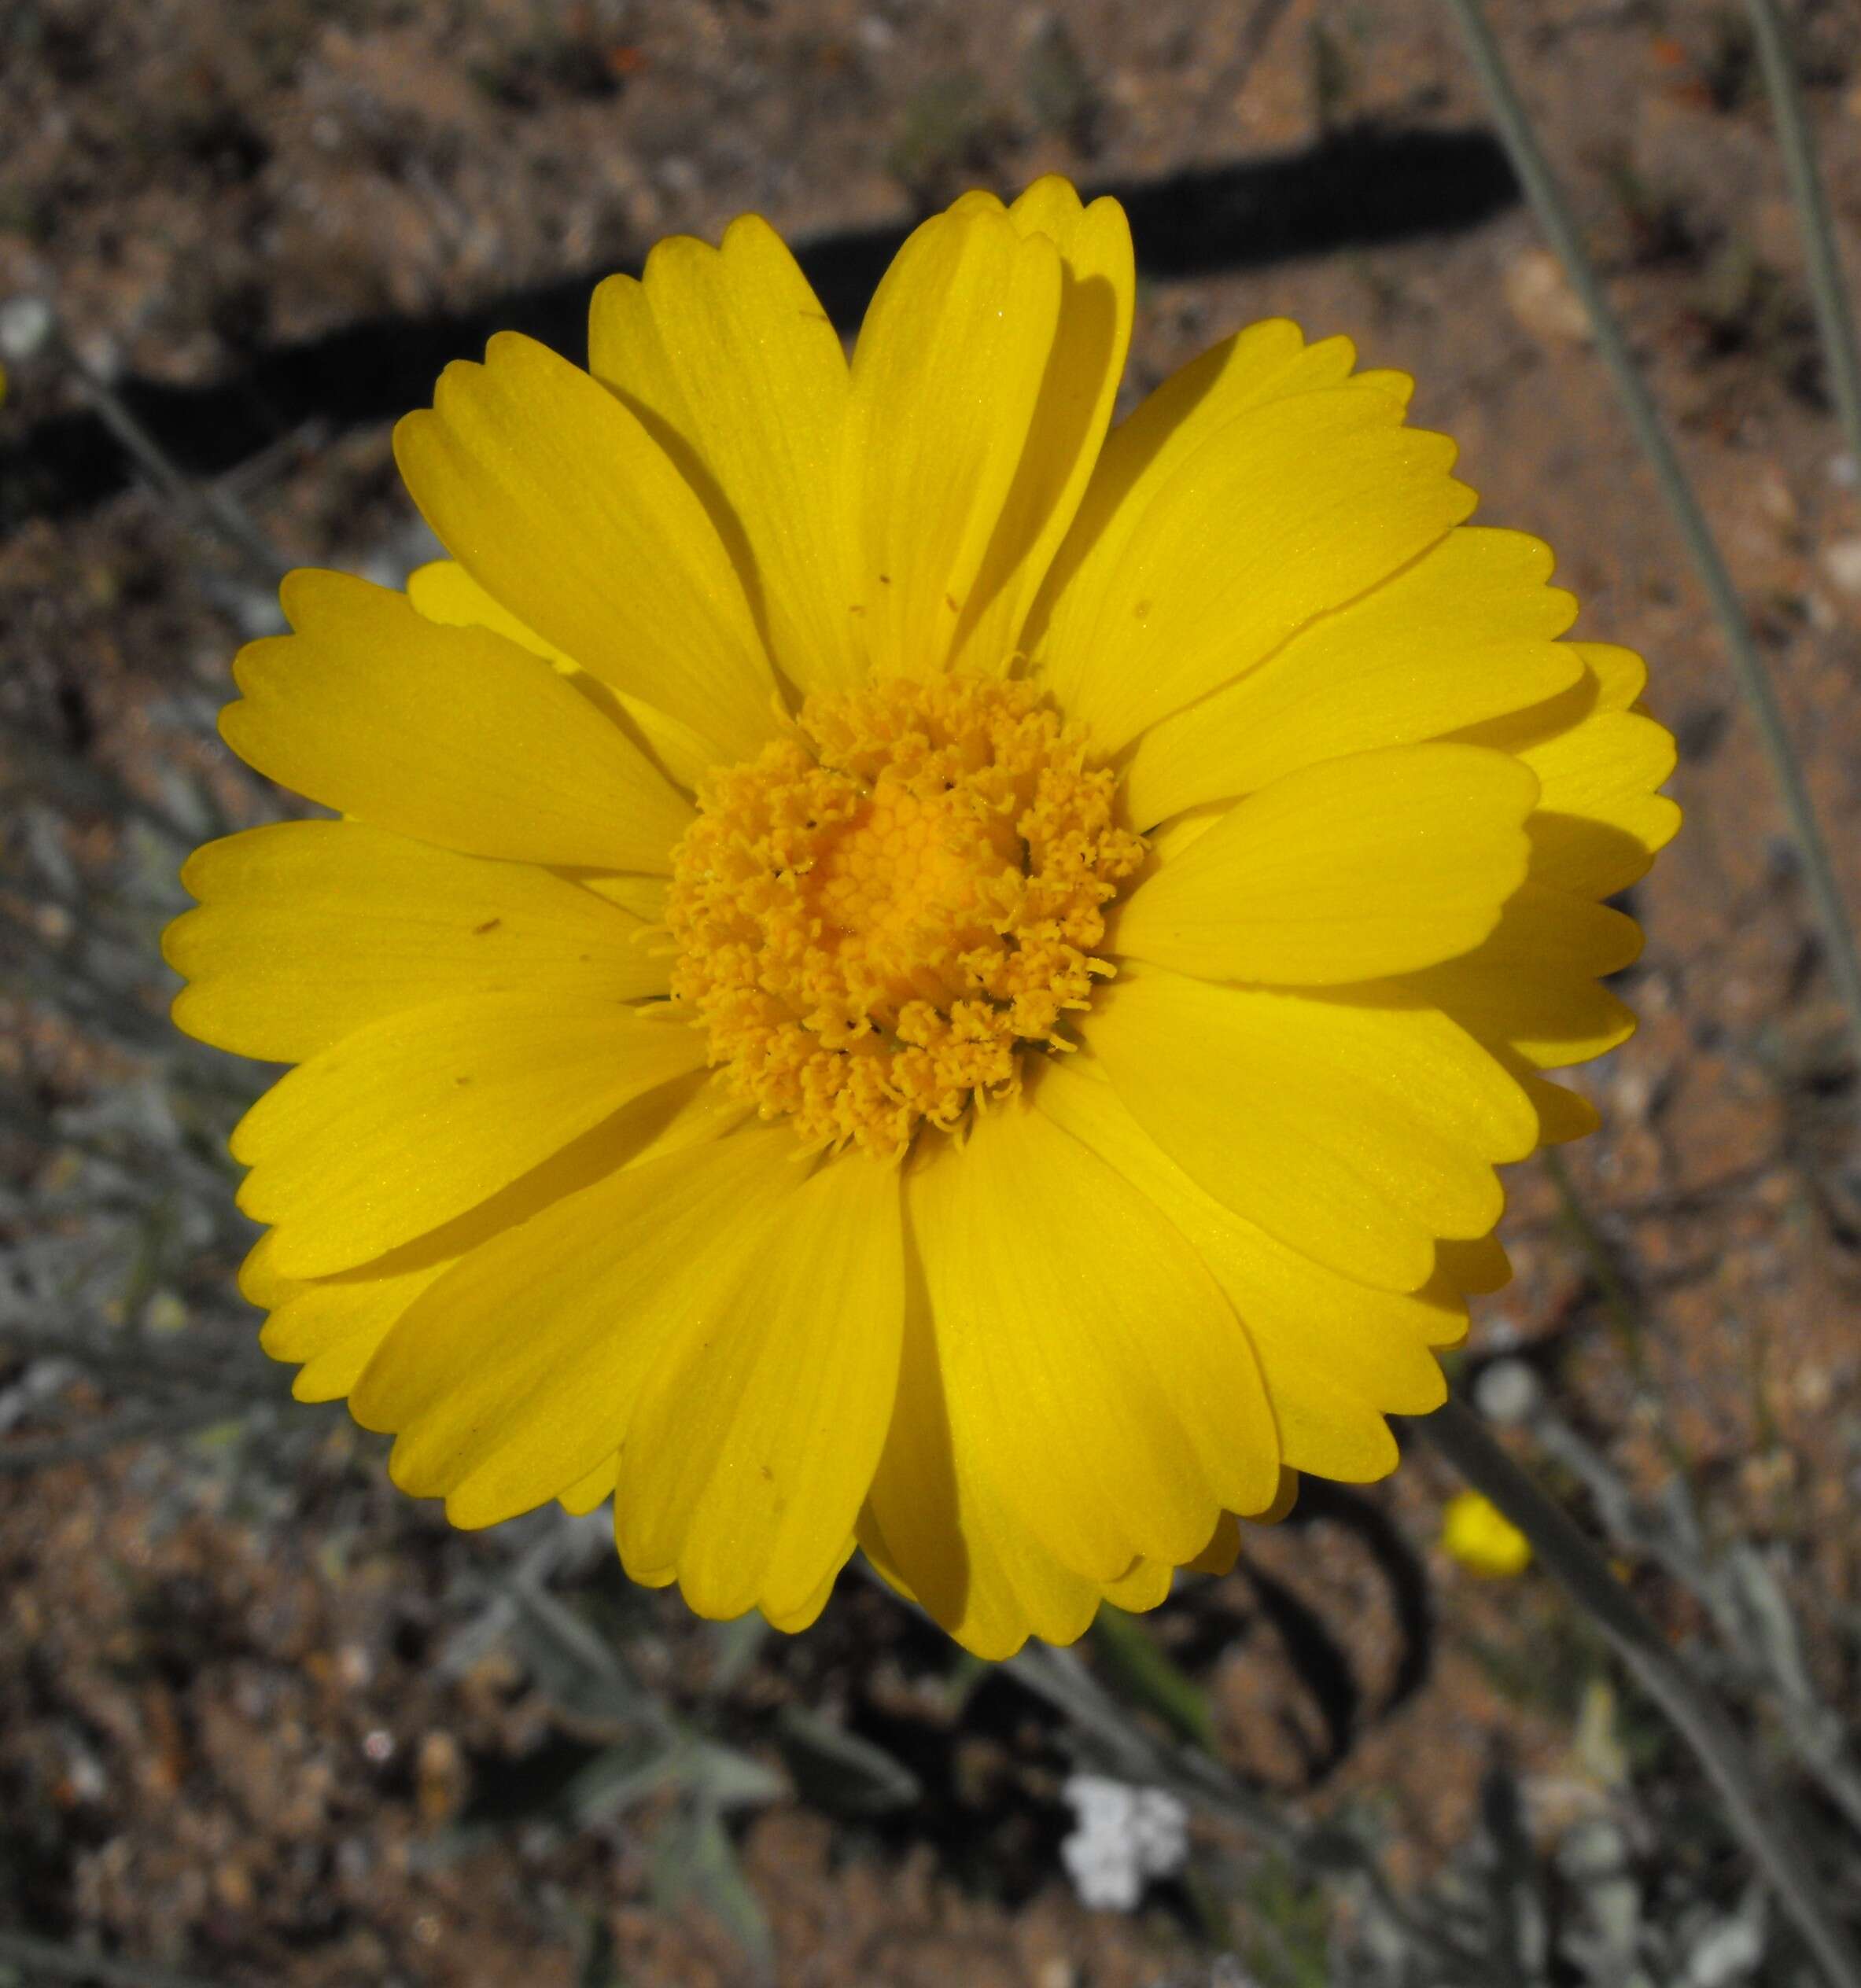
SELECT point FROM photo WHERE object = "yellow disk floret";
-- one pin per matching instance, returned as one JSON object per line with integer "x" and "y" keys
{"x": 875, "y": 914}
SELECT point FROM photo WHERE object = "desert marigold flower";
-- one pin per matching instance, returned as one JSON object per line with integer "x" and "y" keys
{"x": 1477, "y": 1533}
{"x": 899, "y": 968}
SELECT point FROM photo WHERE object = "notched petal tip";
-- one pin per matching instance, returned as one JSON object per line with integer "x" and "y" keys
{"x": 751, "y": 231}
{"x": 418, "y": 440}
{"x": 300, "y": 593}
{"x": 672, "y": 256}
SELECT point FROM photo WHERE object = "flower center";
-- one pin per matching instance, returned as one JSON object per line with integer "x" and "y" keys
{"x": 874, "y": 915}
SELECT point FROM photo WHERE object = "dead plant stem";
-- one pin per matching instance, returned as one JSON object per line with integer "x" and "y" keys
{"x": 1758, "y": 1814}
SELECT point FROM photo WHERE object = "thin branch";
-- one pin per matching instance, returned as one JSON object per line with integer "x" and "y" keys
{"x": 1669, "y": 1535}
{"x": 1555, "y": 217}
{"x": 209, "y": 506}
{"x": 1828, "y": 291}
{"x": 1757, "y": 1814}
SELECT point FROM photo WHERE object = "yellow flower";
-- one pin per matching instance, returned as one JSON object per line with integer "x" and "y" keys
{"x": 1477, "y": 1533}
{"x": 899, "y": 969}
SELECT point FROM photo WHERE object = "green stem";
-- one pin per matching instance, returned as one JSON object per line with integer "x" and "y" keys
{"x": 1559, "y": 223}
{"x": 1827, "y": 290}
{"x": 1758, "y": 1814}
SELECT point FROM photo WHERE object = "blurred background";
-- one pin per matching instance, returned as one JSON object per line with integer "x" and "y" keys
{"x": 263, "y": 1720}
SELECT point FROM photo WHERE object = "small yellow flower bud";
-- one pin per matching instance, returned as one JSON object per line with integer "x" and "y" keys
{"x": 1477, "y": 1533}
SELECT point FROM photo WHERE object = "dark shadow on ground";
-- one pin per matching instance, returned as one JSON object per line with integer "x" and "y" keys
{"x": 1316, "y": 1649}
{"x": 1354, "y": 189}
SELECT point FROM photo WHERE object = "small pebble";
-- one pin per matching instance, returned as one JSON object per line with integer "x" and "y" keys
{"x": 1508, "y": 1391}
{"x": 25, "y": 324}
{"x": 1841, "y": 562}
{"x": 1542, "y": 300}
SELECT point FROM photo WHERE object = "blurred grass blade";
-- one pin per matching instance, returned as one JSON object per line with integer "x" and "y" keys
{"x": 1828, "y": 291}
{"x": 1146, "y": 1673}
{"x": 839, "y": 1770}
{"x": 1559, "y": 223}
{"x": 734, "y": 1647}
{"x": 574, "y": 1670}
{"x": 696, "y": 1860}
{"x": 619, "y": 1777}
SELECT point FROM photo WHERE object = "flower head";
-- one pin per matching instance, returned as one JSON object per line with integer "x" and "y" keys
{"x": 901, "y": 966}
{"x": 1477, "y": 1533}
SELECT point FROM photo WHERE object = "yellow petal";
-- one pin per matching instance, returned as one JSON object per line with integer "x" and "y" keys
{"x": 1610, "y": 679}
{"x": 1600, "y": 822}
{"x": 595, "y": 1489}
{"x": 519, "y": 1373}
{"x": 1089, "y": 1359}
{"x": 1098, "y": 284}
{"x": 443, "y": 591}
{"x": 755, "y": 1443}
{"x": 936, "y": 1526}
{"x": 1223, "y": 1549}
{"x": 644, "y": 897}
{"x": 730, "y": 363}
{"x": 1146, "y": 1586}
{"x": 946, "y": 380}
{"x": 1284, "y": 1499}
{"x": 422, "y": 1115}
{"x": 261, "y": 1282}
{"x": 1563, "y": 1114}
{"x": 451, "y": 735}
{"x": 1335, "y": 1356}
{"x": 331, "y": 1326}
{"x": 1459, "y": 637}
{"x": 1344, "y": 871}
{"x": 1620, "y": 675}
{"x": 805, "y": 1614}
{"x": 1290, "y": 511}
{"x": 1599, "y": 759}
{"x": 1475, "y": 1266}
{"x": 1267, "y": 361}
{"x": 308, "y": 930}
{"x": 554, "y": 497}
{"x": 1532, "y": 985}
{"x": 1352, "y": 1128}
{"x": 1400, "y": 387}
